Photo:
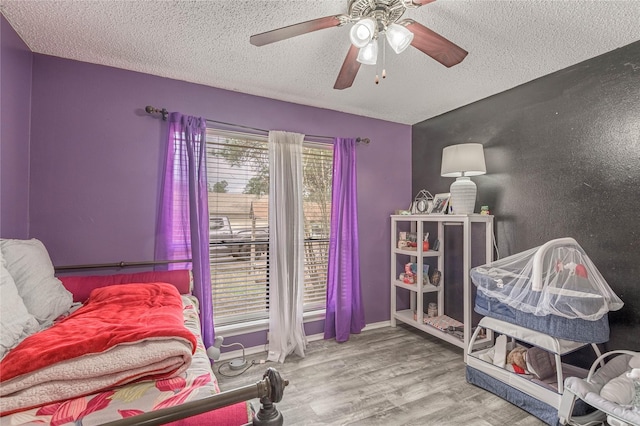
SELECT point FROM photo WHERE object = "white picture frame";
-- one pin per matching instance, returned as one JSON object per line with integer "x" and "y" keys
{"x": 440, "y": 203}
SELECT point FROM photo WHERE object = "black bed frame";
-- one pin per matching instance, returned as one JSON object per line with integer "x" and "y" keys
{"x": 270, "y": 390}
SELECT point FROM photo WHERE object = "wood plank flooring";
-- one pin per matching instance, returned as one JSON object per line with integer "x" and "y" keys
{"x": 387, "y": 377}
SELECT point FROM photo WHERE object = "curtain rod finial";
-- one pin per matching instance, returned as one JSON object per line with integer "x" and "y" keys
{"x": 365, "y": 141}
{"x": 151, "y": 110}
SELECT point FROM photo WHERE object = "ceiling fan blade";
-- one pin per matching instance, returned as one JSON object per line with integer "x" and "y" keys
{"x": 349, "y": 69}
{"x": 296, "y": 30}
{"x": 434, "y": 45}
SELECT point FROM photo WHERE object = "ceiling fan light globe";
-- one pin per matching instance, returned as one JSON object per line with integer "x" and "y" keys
{"x": 362, "y": 32}
{"x": 368, "y": 55}
{"x": 399, "y": 37}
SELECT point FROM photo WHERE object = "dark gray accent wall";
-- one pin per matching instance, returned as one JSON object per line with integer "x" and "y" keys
{"x": 563, "y": 159}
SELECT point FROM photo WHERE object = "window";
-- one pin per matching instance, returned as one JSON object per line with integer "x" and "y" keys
{"x": 238, "y": 182}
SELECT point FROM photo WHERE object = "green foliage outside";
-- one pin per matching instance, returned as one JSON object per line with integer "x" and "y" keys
{"x": 220, "y": 187}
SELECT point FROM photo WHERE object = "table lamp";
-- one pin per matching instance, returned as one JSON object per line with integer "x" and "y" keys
{"x": 462, "y": 161}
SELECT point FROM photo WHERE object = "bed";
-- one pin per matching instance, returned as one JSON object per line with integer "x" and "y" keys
{"x": 131, "y": 353}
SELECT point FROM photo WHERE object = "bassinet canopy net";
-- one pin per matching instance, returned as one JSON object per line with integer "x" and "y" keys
{"x": 557, "y": 278}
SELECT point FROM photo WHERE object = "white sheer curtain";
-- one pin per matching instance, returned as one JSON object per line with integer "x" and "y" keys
{"x": 286, "y": 246}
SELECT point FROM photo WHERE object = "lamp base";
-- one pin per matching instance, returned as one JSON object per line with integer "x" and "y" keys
{"x": 237, "y": 364}
{"x": 463, "y": 195}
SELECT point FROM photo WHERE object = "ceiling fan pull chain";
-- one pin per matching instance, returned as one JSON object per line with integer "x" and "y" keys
{"x": 377, "y": 69}
{"x": 384, "y": 59}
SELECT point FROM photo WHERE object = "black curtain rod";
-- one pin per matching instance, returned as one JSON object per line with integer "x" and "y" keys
{"x": 119, "y": 265}
{"x": 153, "y": 110}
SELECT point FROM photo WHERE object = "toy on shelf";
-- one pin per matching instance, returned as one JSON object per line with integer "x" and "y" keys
{"x": 432, "y": 310}
{"x": 425, "y": 242}
{"x": 407, "y": 241}
{"x": 435, "y": 278}
{"x": 408, "y": 276}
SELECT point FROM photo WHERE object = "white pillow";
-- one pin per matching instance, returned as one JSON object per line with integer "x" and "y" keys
{"x": 30, "y": 266}
{"x": 500, "y": 357}
{"x": 619, "y": 390}
{"x": 16, "y": 322}
{"x": 488, "y": 355}
{"x": 611, "y": 370}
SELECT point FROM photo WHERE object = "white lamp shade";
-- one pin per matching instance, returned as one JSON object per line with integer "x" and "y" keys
{"x": 399, "y": 37}
{"x": 368, "y": 55}
{"x": 465, "y": 159}
{"x": 363, "y": 32}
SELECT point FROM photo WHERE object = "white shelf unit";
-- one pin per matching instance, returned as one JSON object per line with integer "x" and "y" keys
{"x": 416, "y": 223}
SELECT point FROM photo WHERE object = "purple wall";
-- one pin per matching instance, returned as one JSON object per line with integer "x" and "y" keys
{"x": 96, "y": 160}
{"x": 15, "y": 110}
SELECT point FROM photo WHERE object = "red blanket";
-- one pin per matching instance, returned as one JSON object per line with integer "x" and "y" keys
{"x": 113, "y": 315}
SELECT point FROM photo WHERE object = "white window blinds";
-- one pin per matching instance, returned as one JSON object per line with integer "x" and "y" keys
{"x": 238, "y": 182}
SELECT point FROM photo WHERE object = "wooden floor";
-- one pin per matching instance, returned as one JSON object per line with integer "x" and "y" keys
{"x": 387, "y": 376}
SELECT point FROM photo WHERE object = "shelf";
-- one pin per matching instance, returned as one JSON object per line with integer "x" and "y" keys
{"x": 474, "y": 217}
{"x": 406, "y": 316}
{"x": 426, "y": 288}
{"x": 417, "y": 227}
{"x": 429, "y": 253}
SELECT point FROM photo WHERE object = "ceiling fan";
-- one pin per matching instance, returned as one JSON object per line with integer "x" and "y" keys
{"x": 372, "y": 18}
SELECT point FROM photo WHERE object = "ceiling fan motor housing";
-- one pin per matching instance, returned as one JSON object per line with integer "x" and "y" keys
{"x": 384, "y": 12}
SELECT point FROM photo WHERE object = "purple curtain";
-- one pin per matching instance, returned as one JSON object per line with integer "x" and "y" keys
{"x": 345, "y": 313}
{"x": 183, "y": 224}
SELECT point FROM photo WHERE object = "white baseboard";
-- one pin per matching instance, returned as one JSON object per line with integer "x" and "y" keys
{"x": 225, "y": 356}
{"x": 375, "y": 325}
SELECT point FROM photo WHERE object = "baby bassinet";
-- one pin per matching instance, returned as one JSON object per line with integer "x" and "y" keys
{"x": 554, "y": 289}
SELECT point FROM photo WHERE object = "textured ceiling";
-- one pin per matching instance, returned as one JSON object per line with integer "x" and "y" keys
{"x": 207, "y": 42}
